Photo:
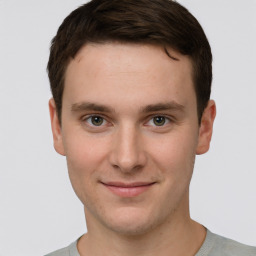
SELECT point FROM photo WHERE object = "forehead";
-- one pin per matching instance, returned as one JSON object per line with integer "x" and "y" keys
{"x": 128, "y": 54}
{"x": 103, "y": 71}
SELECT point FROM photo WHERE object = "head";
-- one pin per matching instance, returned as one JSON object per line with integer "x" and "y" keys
{"x": 159, "y": 22}
{"x": 131, "y": 85}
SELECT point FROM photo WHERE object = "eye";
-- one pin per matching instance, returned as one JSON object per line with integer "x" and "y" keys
{"x": 95, "y": 120}
{"x": 158, "y": 121}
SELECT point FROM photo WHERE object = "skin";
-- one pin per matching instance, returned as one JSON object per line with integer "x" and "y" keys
{"x": 147, "y": 132}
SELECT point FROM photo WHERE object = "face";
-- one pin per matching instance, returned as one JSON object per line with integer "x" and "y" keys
{"x": 130, "y": 134}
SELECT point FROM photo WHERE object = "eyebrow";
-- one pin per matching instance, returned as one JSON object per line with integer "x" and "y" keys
{"x": 88, "y": 106}
{"x": 163, "y": 106}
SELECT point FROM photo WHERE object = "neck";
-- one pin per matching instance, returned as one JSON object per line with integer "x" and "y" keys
{"x": 176, "y": 236}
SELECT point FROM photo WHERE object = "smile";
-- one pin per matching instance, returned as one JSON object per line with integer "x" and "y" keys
{"x": 128, "y": 189}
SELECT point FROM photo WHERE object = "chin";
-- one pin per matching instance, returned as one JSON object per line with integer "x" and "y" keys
{"x": 132, "y": 222}
{"x": 131, "y": 229}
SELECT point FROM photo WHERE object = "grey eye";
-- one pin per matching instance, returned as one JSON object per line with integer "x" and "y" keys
{"x": 96, "y": 120}
{"x": 159, "y": 120}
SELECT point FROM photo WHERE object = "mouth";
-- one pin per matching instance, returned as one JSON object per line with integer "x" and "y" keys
{"x": 128, "y": 189}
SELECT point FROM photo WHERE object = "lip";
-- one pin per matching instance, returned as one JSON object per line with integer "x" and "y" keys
{"x": 128, "y": 189}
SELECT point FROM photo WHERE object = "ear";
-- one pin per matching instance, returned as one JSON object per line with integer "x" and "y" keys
{"x": 56, "y": 128}
{"x": 206, "y": 127}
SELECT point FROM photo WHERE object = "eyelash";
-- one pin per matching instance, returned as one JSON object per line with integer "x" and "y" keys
{"x": 166, "y": 119}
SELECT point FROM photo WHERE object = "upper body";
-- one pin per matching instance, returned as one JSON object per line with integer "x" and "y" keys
{"x": 131, "y": 108}
{"x": 213, "y": 245}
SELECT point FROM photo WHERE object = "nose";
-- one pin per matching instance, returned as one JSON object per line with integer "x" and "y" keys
{"x": 128, "y": 153}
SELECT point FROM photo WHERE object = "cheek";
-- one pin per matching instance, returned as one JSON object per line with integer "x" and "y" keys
{"x": 175, "y": 155}
{"x": 85, "y": 151}
{"x": 85, "y": 156}
{"x": 178, "y": 145}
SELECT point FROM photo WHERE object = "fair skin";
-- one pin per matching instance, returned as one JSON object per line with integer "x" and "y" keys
{"x": 130, "y": 134}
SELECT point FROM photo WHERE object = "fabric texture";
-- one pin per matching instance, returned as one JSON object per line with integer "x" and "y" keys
{"x": 214, "y": 245}
{"x": 70, "y": 250}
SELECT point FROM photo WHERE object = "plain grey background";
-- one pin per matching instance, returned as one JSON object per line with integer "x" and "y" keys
{"x": 39, "y": 211}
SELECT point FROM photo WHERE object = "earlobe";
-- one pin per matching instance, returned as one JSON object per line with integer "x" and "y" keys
{"x": 56, "y": 128}
{"x": 206, "y": 128}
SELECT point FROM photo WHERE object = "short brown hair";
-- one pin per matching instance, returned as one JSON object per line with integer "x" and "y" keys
{"x": 161, "y": 22}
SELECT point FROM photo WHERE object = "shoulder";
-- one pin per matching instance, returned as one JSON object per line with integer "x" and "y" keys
{"x": 230, "y": 247}
{"x": 60, "y": 252}
{"x": 218, "y": 245}
{"x": 70, "y": 250}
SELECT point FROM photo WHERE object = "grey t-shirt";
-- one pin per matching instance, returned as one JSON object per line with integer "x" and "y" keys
{"x": 214, "y": 245}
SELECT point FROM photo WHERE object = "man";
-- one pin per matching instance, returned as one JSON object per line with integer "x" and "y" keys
{"x": 131, "y": 83}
